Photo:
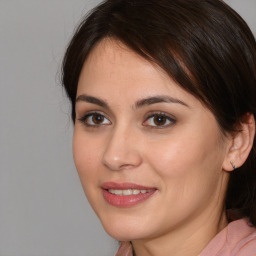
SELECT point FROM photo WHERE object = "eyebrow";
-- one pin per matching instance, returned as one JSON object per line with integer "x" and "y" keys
{"x": 138, "y": 104}
{"x": 93, "y": 100}
{"x": 158, "y": 99}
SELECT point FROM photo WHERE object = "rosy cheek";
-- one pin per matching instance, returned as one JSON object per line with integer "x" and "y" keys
{"x": 82, "y": 155}
{"x": 167, "y": 158}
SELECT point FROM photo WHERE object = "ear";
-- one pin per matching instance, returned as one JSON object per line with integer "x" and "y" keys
{"x": 240, "y": 143}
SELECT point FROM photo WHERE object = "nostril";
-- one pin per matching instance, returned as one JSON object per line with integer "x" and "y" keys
{"x": 127, "y": 166}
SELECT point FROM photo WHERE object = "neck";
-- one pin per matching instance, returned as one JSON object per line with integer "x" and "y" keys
{"x": 187, "y": 240}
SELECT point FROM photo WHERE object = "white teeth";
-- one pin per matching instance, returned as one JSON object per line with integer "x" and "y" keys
{"x": 118, "y": 192}
{"x": 128, "y": 192}
{"x": 135, "y": 192}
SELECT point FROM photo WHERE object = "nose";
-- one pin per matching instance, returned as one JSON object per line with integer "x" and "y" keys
{"x": 122, "y": 150}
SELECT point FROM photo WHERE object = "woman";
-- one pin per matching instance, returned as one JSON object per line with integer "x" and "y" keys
{"x": 163, "y": 100}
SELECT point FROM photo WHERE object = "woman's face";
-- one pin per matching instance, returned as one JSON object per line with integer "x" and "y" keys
{"x": 149, "y": 154}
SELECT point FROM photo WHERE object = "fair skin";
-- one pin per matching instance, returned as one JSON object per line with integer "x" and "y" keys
{"x": 171, "y": 144}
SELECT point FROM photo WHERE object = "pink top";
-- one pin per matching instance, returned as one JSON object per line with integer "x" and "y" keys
{"x": 237, "y": 239}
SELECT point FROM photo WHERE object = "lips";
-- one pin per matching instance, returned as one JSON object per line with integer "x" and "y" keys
{"x": 126, "y": 194}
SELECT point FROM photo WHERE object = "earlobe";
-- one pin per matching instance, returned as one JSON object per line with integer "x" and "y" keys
{"x": 233, "y": 165}
{"x": 241, "y": 143}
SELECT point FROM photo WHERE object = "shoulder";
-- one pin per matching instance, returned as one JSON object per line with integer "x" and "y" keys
{"x": 237, "y": 239}
{"x": 248, "y": 248}
{"x": 241, "y": 238}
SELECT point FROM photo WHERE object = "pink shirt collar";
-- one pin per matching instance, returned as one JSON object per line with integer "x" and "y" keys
{"x": 238, "y": 236}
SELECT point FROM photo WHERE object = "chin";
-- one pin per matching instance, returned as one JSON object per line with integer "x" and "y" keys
{"x": 123, "y": 229}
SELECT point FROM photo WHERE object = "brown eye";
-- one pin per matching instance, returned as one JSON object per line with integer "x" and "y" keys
{"x": 97, "y": 118}
{"x": 159, "y": 121}
{"x": 94, "y": 119}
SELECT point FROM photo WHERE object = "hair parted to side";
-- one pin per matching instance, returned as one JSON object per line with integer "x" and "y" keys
{"x": 203, "y": 45}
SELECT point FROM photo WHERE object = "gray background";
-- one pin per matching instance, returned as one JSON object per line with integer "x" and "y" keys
{"x": 43, "y": 210}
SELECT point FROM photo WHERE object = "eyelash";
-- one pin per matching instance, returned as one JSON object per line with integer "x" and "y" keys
{"x": 84, "y": 120}
{"x": 160, "y": 114}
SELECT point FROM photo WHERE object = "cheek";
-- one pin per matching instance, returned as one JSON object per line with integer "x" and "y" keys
{"x": 190, "y": 175}
{"x": 186, "y": 158}
{"x": 173, "y": 157}
{"x": 86, "y": 157}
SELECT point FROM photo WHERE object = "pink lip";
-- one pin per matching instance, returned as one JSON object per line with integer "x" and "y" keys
{"x": 126, "y": 185}
{"x": 125, "y": 201}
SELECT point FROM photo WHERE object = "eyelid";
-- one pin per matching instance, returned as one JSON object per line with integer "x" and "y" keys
{"x": 91, "y": 113}
{"x": 169, "y": 117}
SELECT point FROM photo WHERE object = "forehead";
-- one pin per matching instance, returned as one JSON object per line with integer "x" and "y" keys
{"x": 113, "y": 66}
{"x": 111, "y": 57}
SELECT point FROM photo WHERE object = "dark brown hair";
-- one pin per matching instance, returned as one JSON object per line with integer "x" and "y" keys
{"x": 204, "y": 45}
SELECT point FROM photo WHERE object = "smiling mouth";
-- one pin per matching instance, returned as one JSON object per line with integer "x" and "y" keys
{"x": 129, "y": 192}
{"x": 126, "y": 194}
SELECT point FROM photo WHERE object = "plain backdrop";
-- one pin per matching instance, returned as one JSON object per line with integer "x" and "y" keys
{"x": 43, "y": 210}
